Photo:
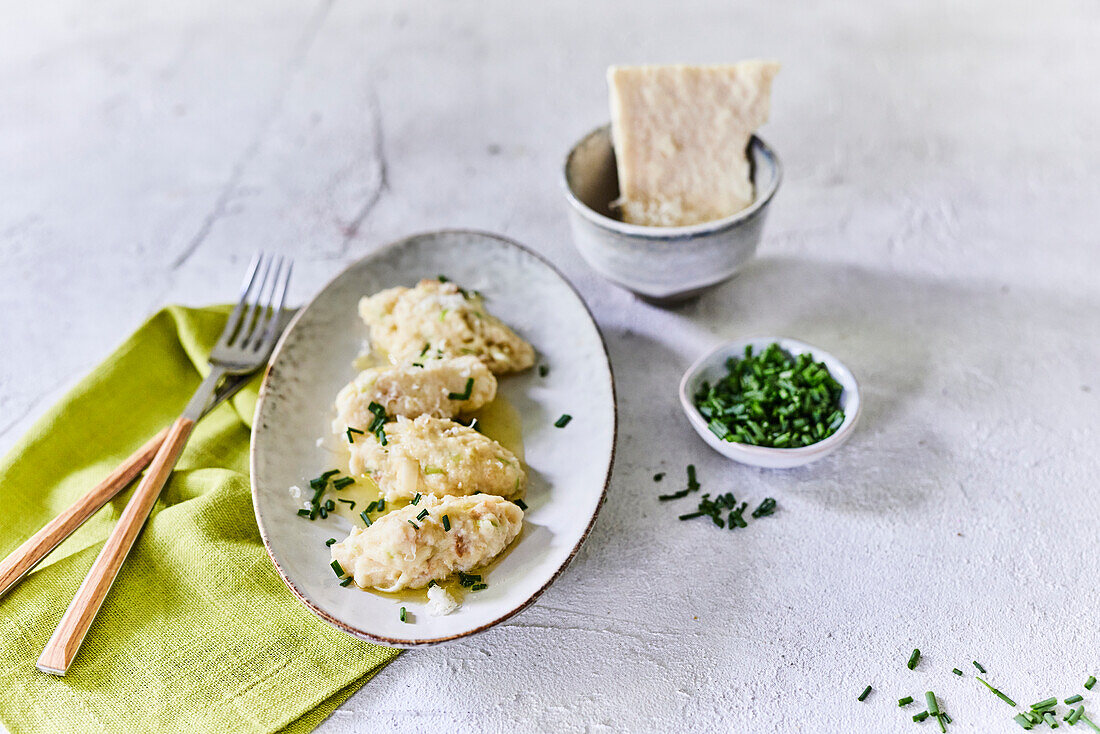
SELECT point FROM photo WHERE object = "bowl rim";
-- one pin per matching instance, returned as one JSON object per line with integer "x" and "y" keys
{"x": 670, "y": 234}
{"x": 842, "y": 374}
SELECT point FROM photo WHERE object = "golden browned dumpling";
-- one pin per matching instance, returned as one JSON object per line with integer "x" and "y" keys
{"x": 435, "y": 387}
{"x": 437, "y": 456}
{"x": 438, "y": 319}
{"x": 406, "y": 549}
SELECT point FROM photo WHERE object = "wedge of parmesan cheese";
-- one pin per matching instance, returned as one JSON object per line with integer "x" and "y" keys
{"x": 680, "y": 135}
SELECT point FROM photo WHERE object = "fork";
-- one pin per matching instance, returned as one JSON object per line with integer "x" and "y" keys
{"x": 244, "y": 347}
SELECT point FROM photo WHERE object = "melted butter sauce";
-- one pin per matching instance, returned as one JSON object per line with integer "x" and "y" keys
{"x": 500, "y": 421}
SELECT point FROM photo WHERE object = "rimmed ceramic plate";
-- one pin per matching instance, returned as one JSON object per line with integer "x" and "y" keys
{"x": 568, "y": 467}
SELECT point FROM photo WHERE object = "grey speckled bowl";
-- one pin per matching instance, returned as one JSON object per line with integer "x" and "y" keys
{"x": 660, "y": 264}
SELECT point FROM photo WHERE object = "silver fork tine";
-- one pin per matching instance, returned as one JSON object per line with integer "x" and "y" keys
{"x": 263, "y": 305}
{"x": 277, "y": 306}
{"x": 253, "y": 308}
{"x": 267, "y": 313}
{"x": 246, "y": 285}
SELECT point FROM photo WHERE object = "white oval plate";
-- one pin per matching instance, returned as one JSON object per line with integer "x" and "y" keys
{"x": 568, "y": 467}
{"x": 712, "y": 366}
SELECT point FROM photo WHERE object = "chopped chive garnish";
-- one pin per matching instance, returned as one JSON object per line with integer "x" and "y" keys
{"x": 465, "y": 394}
{"x": 318, "y": 484}
{"x": 443, "y": 279}
{"x": 347, "y": 581}
{"x": 330, "y": 505}
{"x": 933, "y": 705}
{"x": 381, "y": 504}
{"x": 1076, "y": 714}
{"x": 425, "y": 349}
{"x": 735, "y": 518}
{"x": 693, "y": 483}
{"x": 956, "y": 671}
{"x": 1090, "y": 682}
{"x": 921, "y": 716}
{"x": 996, "y": 693}
{"x": 304, "y": 513}
{"x": 330, "y": 541}
{"x": 563, "y": 421}
{"x": 417, "y": 364}
{"x": 322, "y": 512}
{"x": 342, "y": 482}
{"x": 330, "y": 473}
{"x": 402, "y": 614}
{"x": 349, "y": 503}
{"x": 378, "y": 423}
{"x": 337, "y": 568}
{"x": 520, "y": 504}
{"x": 416, "y": 499}
{"x": 468, "y": 579}
{"x": 913, "y": 659}
{"x": 1074, "y": 699}
{"x": 350, "y": 431}
{"x": 767, "y": 507}
{"x": 979, "y": 667}
{"x": 365, "y": 517}
{"x": 1022, "y": 721}
{"x": 1049, "y": 719}
{"x": 432, "y": 583}
{"x": 544, "y": 370}
{"x": 658, "y": 476}
{"x": 428, "y": 471}
{"x": 371, "y": 507}
{"x": 1046, "y": 703}
{"x": 1088, "y": 721}
{"x": 415, "y": 526}
{"x": 446, "y": 523}
{"x": 905, "y": 701}
{"x": 674, "y": 496}
{"x": 866, "y": 692}
{"x": 423, "y": 514}
{"x": 479, "y": 587}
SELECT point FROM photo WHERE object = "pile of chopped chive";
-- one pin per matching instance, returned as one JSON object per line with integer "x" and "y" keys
{"x": 716, "y": 509}
{"x": 773, "y": 400}
{"x": 319, "y": 485}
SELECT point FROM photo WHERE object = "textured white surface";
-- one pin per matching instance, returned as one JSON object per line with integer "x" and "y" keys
{"x": 936, "y": 230}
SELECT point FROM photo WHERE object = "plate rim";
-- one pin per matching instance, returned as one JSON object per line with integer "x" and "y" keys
{"x": 265, "y": 388}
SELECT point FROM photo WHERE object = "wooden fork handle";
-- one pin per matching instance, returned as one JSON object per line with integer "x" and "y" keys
{"x": 21, "y": 560}
{"x": 62, "y": 647}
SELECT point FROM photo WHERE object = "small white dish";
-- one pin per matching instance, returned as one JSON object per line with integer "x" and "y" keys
{"x": 568, "y": 468}
{"x": 712, "y": 367}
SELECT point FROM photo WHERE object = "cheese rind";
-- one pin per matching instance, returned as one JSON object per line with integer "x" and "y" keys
{"x": 680, "y": 135}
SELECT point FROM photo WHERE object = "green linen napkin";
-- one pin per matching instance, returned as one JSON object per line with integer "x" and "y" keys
{"x": 199, "y": 634}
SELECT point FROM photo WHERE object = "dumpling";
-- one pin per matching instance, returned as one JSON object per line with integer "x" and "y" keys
{"x": 438, "y": 319}
{"x": 412, "y": 391}
{"x": 403, "y": 550}
{"x": 437, "y": 456}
